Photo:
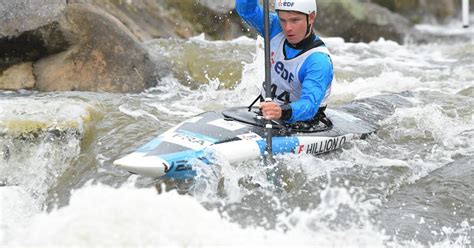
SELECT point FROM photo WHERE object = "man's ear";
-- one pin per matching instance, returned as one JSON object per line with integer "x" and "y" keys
{"x": 312, "y": 17}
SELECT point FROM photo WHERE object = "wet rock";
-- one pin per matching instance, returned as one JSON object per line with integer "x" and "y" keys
{"x": 19, "y": 76}
{"x": 73, "y": 46}
{"x": 32, "y": 45}
{"x": 104, "y": 56}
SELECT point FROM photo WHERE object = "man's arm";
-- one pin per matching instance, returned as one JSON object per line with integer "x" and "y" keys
{"x": 316, "y": 75}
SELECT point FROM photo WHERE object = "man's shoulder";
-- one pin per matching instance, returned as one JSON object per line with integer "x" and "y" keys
{"x": 319, "y": 58}
{"x": 317, "y": 64}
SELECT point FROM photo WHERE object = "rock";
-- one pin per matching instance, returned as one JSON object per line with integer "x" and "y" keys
{"x": 27, "y": 30}
{"x": 360, "y": 21}
{"x": 104, "y": 56}
{"x": 18, "y": 77}
{"x": 73, "y": 46}
{"x": 32, "y": 45}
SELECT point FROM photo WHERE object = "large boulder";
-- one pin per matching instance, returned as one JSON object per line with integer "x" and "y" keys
{"x": 73, "y": 46}
{"x": 104, "y": 56}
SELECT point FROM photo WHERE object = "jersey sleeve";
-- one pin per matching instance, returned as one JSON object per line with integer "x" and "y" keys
{"x": 252, "y": 13}
{"x": 316, "y": 75}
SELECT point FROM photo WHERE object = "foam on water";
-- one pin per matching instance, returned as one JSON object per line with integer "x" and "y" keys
{"x": 40, "y": 138}
{"x": 17, "y": 207}
{"x": 454, "y": 27}
{"x": 100, "y": 215}
{"x": 386, "y": 66}
{"x": 444, "y": 137}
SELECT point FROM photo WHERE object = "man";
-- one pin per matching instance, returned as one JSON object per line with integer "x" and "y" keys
{"x": 301, "y": 70}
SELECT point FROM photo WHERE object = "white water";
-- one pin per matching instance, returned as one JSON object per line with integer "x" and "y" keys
{"x": 139, "y": 217}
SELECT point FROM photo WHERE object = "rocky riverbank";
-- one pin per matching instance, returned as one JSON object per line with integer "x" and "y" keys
{"x": 96, "y": 45}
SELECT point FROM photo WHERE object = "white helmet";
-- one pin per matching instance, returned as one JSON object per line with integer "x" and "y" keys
{"x": 303, "y": 6}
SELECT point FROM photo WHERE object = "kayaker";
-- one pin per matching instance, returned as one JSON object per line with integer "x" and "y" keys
{"x": 301, "y": 70}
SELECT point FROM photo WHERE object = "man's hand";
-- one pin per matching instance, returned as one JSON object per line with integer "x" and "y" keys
{"x": 270, "y": 110}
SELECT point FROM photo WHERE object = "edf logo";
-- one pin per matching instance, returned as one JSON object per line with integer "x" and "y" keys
{"x": 286, "y": 4}
{"x": 284, "y": 73}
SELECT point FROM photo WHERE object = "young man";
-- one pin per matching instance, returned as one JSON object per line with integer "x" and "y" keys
{"x": 301, "y": 69}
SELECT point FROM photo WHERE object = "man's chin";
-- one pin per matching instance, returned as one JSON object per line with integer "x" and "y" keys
{"x": 292, "y": 41}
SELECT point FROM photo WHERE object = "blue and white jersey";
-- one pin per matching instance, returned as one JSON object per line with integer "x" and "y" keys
{"x": 302, "y": 79}
{"x": 286, "y": 82}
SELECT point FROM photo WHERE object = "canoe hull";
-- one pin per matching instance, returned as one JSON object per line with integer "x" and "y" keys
{"x": 236, "y": 135}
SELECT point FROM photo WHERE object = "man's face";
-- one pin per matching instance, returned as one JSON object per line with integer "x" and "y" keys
{"x": 294, "y": 25}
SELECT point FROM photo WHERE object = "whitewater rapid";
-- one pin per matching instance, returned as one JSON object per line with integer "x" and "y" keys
{"x": 409, "y": 185}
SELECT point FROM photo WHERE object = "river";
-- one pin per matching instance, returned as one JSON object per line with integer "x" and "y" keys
{"x": 409, "y": 185}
